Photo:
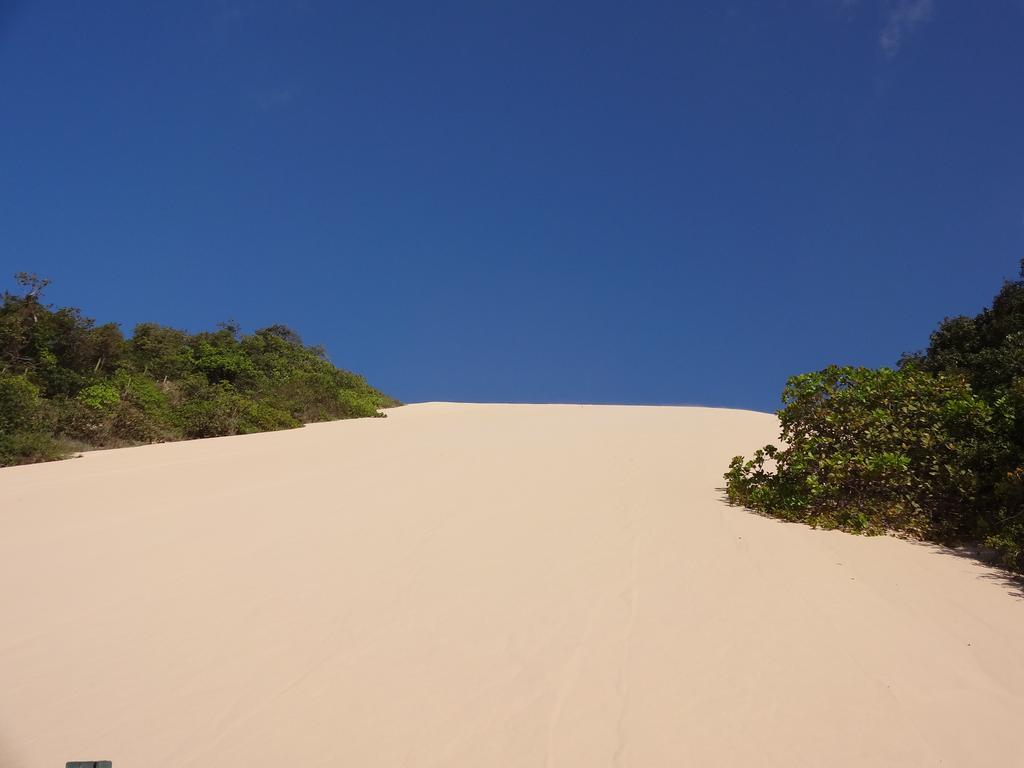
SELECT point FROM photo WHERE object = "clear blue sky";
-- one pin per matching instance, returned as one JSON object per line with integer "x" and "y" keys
{"x": 646, "y": 202}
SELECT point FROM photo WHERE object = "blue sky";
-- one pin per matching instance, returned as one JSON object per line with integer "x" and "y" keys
{"x": 647, "y": 202}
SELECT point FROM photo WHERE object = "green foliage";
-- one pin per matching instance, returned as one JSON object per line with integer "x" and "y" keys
{"x": 224, "y": 411}
{"x": 934, "y": 449}
{"x": 100, "y": 397}
{"x": 29, "y": 448}
{"x": 25, "y": 420}
{"x": 63, "y": 377}
{"x": 163, "y": 353}
{"x": 20, "y": 405}
{"x": 353, "y": 403}
{"x": 871, "y": 450}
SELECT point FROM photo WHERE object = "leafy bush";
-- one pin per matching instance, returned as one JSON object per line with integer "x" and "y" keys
{"x": 24, "y": 423}
{"x": 65, "y": 379}
{"x": 20, "y": 404}
{"x": 215, "y": 413}
{"x": 223, "y": 411}
{"x": 29, "y": 448}
{"x": 870, "y": 451}
{"x": 934, "y": 449}
{"x": 353, "y": 404}
{"x": 101, "y": 397}
{"x": 163, "y": 353}
{"x": 258, "y": 416}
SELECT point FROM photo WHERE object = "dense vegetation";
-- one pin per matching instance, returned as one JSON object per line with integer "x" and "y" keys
{"x": 934, "y": 448}
{"x": 68, "y": 384}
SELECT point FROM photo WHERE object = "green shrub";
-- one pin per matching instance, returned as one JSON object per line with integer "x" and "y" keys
{"x": 224, "y": 360}
{"x": 222, "y": 410}
{"x": 29, "y": 448}
{"x": 160, "y": 352}
{"x": 21, "y": 408}
{"x": 102, "y": 397}
{"x": 256, "y": 416}
{"x": 145, "y": 413}
{"x": 213, "y": 413}
{"x": 934, "y": 449}
{"x": 66, "y": 379}
{"x": 871, "y": 450}
{"x": 352, "y": 404}
{"x": 25, "y": 421}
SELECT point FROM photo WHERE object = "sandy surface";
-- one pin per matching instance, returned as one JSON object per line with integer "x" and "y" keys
{"x": 467, "y": 585}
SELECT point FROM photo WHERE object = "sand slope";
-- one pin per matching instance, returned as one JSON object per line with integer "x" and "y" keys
{"x": 469, "y": 585}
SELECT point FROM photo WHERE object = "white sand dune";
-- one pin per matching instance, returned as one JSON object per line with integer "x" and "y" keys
{"x": 481, "y": 585}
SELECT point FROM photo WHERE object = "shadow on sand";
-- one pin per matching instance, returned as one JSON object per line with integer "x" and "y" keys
{"x": 990, "y": 570}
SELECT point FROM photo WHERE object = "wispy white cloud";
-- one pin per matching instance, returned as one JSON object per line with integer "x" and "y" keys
{"x": 901, "y": 17}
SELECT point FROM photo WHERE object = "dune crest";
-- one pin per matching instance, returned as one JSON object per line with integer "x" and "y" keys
{"x": 481, "y": 585}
